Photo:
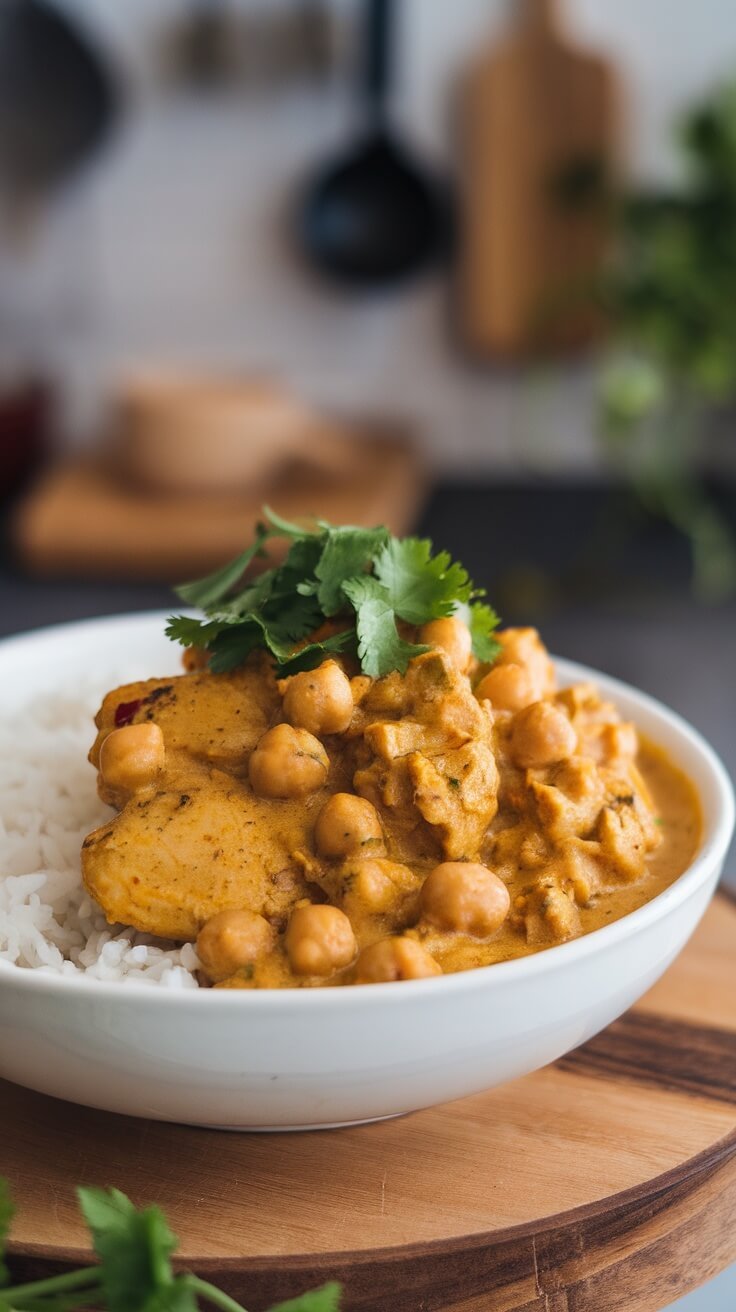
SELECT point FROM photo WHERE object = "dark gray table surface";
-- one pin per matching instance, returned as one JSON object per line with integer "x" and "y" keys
{"x": 605, "y": 587}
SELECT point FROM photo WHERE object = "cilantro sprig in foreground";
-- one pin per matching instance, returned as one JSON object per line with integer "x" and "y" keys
{"x": 358, "y": 582}
{"x": 134, "y": 1272}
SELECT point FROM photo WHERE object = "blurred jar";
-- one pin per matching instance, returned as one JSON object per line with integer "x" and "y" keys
{"x": 189, "y": 433}
{"x": 24, "y": 383}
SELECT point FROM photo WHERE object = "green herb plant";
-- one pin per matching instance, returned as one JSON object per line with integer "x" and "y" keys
{"x": 133, "y": 1272}
{"x": 670, "y": 297}
{"x": 358, "y": 584}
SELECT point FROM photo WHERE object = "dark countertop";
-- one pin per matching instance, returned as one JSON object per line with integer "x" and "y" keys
{"x": 606, "y": 586}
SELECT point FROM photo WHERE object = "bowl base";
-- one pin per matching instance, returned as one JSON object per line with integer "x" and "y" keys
{"x": 301, "y": 1129}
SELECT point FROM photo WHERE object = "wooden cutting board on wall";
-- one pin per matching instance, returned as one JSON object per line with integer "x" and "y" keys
{"x": 538, "y": 129}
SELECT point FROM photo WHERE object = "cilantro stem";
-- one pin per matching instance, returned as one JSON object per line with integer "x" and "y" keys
{"x": 70, "y": 1302}
{"x": 214, "y": 1295}
{"x": 72, "y": 1280}
{"x": 75, "y": 1301}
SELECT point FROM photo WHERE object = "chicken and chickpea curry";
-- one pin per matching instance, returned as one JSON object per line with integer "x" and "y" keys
{"x": 371, "y": 799}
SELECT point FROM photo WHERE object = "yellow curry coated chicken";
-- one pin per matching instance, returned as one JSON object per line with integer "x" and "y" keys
{"x": 333, "y": 828}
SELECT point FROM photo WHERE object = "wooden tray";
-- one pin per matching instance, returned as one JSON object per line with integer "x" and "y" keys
{"x": 607, "y": 1181}
{"x": 82, "y": 521}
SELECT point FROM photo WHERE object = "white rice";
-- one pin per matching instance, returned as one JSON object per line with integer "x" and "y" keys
{"x": 48, "y": 803}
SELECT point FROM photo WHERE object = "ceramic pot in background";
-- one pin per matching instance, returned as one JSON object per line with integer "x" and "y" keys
{"x": 183, "y": 433}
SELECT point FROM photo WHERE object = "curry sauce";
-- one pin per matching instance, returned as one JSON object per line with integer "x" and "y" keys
{"x": 336, "y": 829}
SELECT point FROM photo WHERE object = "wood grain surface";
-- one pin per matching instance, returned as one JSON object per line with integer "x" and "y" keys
{"x": 83, "y": 520}
{"x": 606, "y": 1181}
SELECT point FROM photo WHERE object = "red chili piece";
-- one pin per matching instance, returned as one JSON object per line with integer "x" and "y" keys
{"x": 125, "y": 713}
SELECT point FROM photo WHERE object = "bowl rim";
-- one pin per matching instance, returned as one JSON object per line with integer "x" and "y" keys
{"x": 710, "y": 855}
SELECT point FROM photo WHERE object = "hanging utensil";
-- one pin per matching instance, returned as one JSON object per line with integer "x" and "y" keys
{"x": 376, "y": 214}
{"x": 57, "y": 99}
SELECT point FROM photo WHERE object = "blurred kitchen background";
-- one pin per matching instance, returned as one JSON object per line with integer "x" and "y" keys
{"x": 467, "y": 267}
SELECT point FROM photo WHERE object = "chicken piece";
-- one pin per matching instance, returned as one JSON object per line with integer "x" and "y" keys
{"x": 514, "y": 848}
{"x": 171, "y": 860}
{"x": 602, "y": 735}
{"x": 432, "y": 694}
{"x": 429, "y": 768}
{"x": 585, "y": 706}
{"x": 218, "y": 718}
{"x": 623, "y": 840}
{"x": 456, "y": 794}
{"x": 547, "y": 913}
{"x": 568, "y": 798}
{"x": 617, "y": 745}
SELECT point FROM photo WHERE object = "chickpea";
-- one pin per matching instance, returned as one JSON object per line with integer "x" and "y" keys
{"x": 320, "y": 700}
{"x": 541, "y": 735}
{"x": 195, "y": 658}
{"x": 346, "y": 824}
{"x": 509, "y": 687}
{"x": 287, "y": 762}
{"x": 466, "y": 897}
{"x": 392, "y": 959}
{"x": 452, "y": 637}
{"x": 132, "y": 757}
{"x": 230, "y": 940}
{"x": 319, "y": 940}
{"x": 525, "y": 647}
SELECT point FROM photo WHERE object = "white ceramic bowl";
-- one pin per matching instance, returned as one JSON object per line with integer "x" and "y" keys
{"x": 301, "y": 1058}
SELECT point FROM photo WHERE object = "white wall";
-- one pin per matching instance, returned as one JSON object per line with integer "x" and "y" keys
{"x": 177, "y": 245}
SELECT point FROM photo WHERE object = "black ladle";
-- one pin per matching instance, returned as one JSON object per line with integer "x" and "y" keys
{"x": 376, "y": 215}
{"x": 57, "y": 98}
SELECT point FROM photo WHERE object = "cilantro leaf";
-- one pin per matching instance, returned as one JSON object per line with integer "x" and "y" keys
{"x": 380, "y": 647}
{"x": 284, "y": 527}
{"x": 482, "y": 623}
{"x": 231, "y": 647}
{"x": 347, "y": 551}
{"x": 326, "y": 1299}
{"x": 133, "y": 1247}
{"x": 275, "y": 599}
{"x": 316, "y": 652}
{"x": 420, "y": 586}
{"x": 191, "y": 632}
{"x": 205, "y": 592}
{"x": 299, "y": 567}
{"x": 330, "y": 571}
{"x": 7, "y": 1212}
{"x": 179, "y": 1296}
{"x": 251, "y": 598}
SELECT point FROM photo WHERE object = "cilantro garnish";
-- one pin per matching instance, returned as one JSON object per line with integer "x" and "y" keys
{"x": 483, "y": 622}
{"x": 380, "y": 648}
{"x": 355, "y": 585}
{"x": 346, "y": 554}
{"x": 134, "y": 1249}
{"x": 421, "y": 586}
{"x": 134, "y": 1272}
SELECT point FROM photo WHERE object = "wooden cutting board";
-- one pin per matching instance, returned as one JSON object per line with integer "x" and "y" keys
{"x": 604, "y": 1183}
{"x": 538, "y": 128}
{"x": 84, "y": 521}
